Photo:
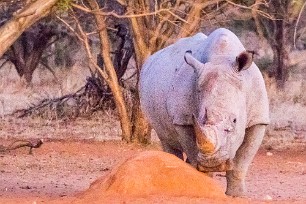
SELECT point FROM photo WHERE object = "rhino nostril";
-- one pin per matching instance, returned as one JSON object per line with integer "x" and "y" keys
{"x": 229, "y": 129}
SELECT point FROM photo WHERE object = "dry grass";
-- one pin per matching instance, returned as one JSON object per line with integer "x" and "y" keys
{"x": 287, "y": 110}
{"x": 14, "y": 95}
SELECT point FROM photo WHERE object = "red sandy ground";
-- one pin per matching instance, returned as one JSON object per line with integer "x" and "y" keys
{"x": 60, "y": 172}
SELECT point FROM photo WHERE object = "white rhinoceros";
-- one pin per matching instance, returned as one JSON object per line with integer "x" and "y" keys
{"x": 209, "y": 102}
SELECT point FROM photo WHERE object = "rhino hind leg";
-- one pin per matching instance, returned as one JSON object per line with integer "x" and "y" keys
{"x": 244, "y": 156}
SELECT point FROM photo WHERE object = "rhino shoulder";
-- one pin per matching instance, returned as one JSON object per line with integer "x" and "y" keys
{"x": 172, "y": 79}
{"x": 181, "y": 103}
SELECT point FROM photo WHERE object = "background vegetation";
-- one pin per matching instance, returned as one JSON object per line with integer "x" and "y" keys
{"x": 105, "y": 43}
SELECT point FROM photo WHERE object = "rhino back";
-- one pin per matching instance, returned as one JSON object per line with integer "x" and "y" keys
{"x": 216, "y": 41}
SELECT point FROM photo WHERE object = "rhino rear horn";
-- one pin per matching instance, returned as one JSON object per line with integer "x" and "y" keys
{"x": 205, "y": 140}
{"x": 244, "y": 60}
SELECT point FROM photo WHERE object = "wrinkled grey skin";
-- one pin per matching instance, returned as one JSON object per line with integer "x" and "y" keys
{"x": 207, "y": 93}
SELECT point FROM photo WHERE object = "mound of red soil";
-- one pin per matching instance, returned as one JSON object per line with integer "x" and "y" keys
{"x": 152, "y": 173}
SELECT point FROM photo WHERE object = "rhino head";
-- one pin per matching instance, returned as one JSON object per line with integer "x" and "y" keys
{"x": 220, "y": 121}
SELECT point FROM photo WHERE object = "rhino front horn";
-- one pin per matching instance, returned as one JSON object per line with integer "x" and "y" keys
{"x": 206, "y": 138}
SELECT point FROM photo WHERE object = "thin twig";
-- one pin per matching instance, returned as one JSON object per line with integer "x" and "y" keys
{"x": 4, "y": 63}
{"x": 69, "y": 27}
{"x": 296, "y": 24}
{"x": 53, "y": 41}
{"x": 49, "y": 68}
{"x": 132, "y": 75}
{"x": 84, "y": 38}
{"x": 22, "y": 15}
{"x": 264, "y": 14}
{"x": 112, "y": 13}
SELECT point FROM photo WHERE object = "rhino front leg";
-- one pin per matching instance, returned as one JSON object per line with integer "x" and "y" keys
{"x": 186, "y": 137}
{"x": 169, "y": 149}
{"x": 244, "y": 156}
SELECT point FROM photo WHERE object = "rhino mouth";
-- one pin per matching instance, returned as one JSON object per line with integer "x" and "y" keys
{"x": 218, "y": 162}
{"x": 224, "y": 166}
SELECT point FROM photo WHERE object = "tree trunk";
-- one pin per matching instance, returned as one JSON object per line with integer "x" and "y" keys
{"x": 280, "y": 51}
{"x": 141, "y": 130}
{"x": 112, "y": 79}
{"x": 33, "y": 12}
{"x": 26, "y": 52}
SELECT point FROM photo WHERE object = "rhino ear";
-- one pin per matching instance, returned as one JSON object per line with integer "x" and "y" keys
{"x": 244, "y": 60}
{"x": 193, "y": 62}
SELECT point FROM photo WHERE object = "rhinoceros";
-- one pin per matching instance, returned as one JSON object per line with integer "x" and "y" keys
{"x": 205, "y": 97}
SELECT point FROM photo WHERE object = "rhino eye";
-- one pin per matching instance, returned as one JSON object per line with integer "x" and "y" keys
{"x": 235, "y": 120}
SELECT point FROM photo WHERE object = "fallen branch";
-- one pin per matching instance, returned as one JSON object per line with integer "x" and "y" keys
{"x": 90, "y": 98}
{"x": 31, "y": 143}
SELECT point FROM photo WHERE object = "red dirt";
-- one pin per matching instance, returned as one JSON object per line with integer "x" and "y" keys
{"x": 61, "y": 170}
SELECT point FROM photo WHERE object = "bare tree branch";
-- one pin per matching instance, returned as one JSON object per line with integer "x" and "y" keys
{"x": 69, "y": 27}
{"x": 296, "y": 25}
{"x": 82, "y": 36}
{"x": 262, "y": 13}
{"x": 257, "y": 21}
{"x": 112, "y": 13}
{"x": 34, "y": 11}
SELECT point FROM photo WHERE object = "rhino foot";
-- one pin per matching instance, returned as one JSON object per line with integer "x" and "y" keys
{"x": 235, "y": 184}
